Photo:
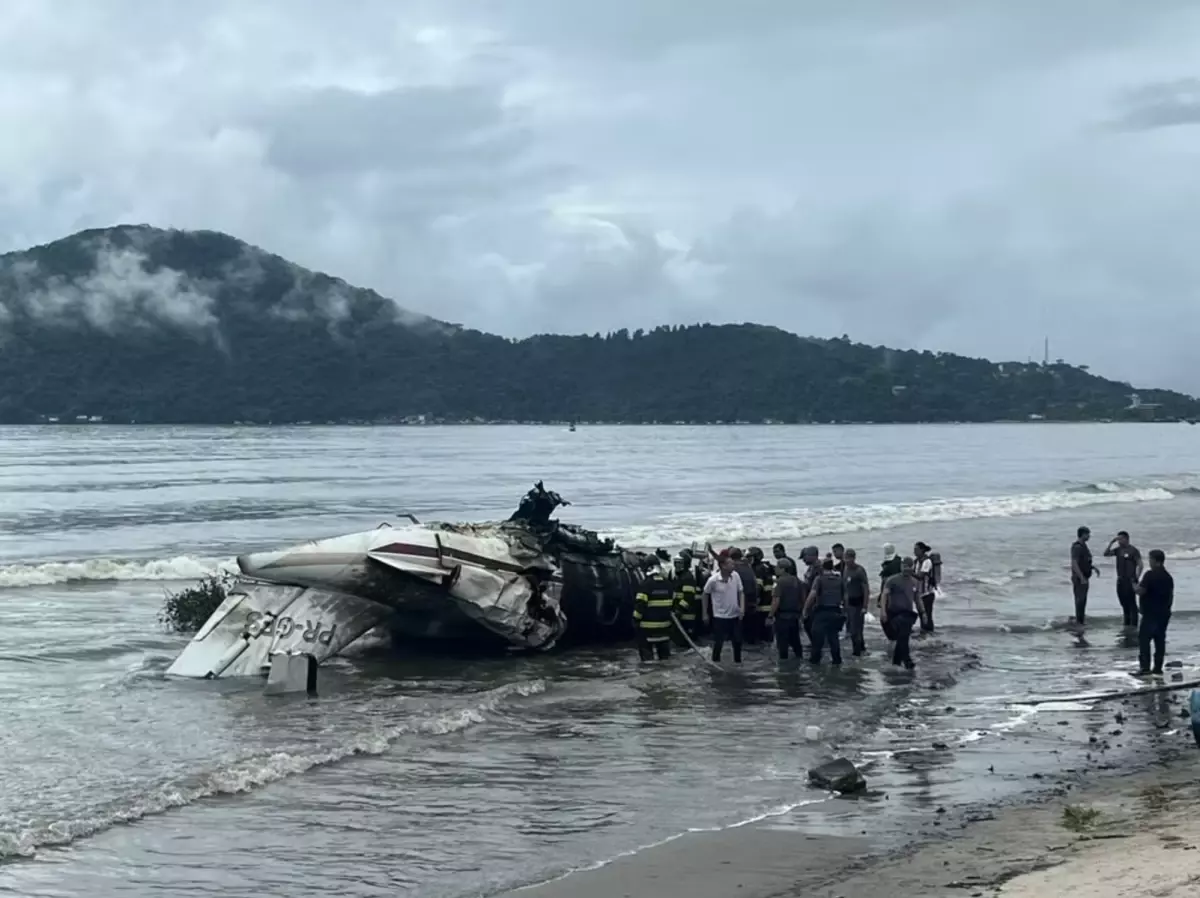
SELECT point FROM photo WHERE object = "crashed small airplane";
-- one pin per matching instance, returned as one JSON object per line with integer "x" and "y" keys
{"x": 528, "y": 583}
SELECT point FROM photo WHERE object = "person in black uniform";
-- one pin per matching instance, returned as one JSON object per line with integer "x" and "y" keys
{"x": 780, "y": 554}
{"x": 857, "y": 587}
{"x": 745, "y": 571}
{"x": 826, "y": 606}
{"x": 787, "y": 602}
{"x": 898, "y": 608}
{"x": 892, "y": 565}
{"x": 810, "y": 558}
{"x": 704, "y": 570}
{"x": 1129, "y": 572}
{"x": 1082, "y": 571}
{"x": 838, "y": 552}
{"x": 652, "y": 609}
{"x": 764, "y": 580}
{"x": 687, "y": 597}
{"x": 1157, "y": 592}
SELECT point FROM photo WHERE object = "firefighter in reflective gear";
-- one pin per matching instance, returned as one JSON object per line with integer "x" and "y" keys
{"x": 687, "y": 598}
{"x": 764, "y": 578}
{"x": 653, "y": 606}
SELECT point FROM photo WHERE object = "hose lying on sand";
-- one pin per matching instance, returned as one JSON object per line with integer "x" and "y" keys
{"x": 1108, "y": 696}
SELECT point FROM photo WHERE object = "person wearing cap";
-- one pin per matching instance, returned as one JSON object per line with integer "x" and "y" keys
{"x": 890, "y": 567}
{"x": 764, "y": 583}
{"x": 725, "y": 604}
{"x": 857, "y": 584}
{"x": 923, "y": 569}
{"x": 898, "y": 609}
{"x": 687, "y": 595}
{"x": 1082, "y": 571}
{"x": 810, "y": 559}
{"x": 826, "y": 609}
{"x": 787, "y": 602}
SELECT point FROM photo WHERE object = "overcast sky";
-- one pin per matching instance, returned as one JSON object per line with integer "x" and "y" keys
{"x": 946, "y": 174}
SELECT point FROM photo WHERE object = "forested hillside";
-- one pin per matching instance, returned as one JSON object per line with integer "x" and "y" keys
{"x": 146, "y": 325}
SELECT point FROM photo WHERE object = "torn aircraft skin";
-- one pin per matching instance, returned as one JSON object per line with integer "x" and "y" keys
{"x": 529, "y": 583}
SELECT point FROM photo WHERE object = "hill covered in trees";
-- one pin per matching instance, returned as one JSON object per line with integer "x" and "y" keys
{"x": 137, "y": 324}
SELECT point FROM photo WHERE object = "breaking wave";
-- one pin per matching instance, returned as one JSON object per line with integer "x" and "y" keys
{"x": 798, "y": 523}
{"x": 680, "y": 529}
{"x": 251, "y": 773}
{"x": 49, "y": 573}
{"x": 1177, "y": 485}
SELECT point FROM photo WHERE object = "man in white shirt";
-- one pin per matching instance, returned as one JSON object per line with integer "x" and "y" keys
{"x": 725, "y": 605}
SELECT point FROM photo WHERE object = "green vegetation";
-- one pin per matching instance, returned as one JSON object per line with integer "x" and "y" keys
{"x": 187, "y": 610}
{"x": 1080, "y": 819}
{"x": 134, "y": 324}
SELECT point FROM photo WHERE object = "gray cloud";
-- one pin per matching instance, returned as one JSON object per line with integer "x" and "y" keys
{"x": 963, "y": 176}
{"x": 1163, "y": 105}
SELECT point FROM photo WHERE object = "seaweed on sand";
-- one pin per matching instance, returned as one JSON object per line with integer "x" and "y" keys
{"x": 1080, "y": 819}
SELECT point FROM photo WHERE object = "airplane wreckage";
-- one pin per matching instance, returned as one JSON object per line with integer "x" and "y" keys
{"x": 528, "y": 583}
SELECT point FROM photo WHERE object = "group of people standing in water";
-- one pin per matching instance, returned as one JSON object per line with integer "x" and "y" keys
{"x": 747, "y": 599}
{"x": 1150, "y": 591}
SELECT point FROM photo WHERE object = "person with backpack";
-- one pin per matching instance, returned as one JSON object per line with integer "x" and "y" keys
{"x": 898, "y": 609}
{"x": 889, "y": 568}
{"x": 928, "y": 570}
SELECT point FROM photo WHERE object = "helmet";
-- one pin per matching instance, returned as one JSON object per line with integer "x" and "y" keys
{"x": 755, "y": 552}
{"x": 810, "y": 553}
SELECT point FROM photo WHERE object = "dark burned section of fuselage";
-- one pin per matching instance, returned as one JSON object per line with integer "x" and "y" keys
{"x": 600, "y": 580}
{"x": 598, "y": 596}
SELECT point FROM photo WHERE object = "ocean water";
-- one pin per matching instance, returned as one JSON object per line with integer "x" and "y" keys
{"x": 452, "y": 777}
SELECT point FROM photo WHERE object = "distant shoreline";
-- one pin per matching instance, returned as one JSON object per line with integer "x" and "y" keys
{"x": 589, "y": 424}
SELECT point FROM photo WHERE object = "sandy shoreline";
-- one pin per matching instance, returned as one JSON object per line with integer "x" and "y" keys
{"x": 1108, "y": 836}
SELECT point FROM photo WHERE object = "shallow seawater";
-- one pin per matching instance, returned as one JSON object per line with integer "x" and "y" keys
{"x": 454, "y": 777}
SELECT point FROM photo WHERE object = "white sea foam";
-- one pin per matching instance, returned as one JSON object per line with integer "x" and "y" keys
{"x": 49, "y": 573}
{"x": 798, "y": 523}
{"x": 672, "y": 530}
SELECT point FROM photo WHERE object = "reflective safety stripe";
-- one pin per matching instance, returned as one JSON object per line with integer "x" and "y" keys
{"x": 656, "y": 638}
{"x": 654, "y": 605}
{"x": 764, "y": 606}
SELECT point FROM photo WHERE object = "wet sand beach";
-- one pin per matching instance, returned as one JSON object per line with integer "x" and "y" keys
{"x": 1105, "y": 833}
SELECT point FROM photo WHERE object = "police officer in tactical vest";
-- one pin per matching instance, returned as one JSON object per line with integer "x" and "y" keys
{"x": 826, "y": 606}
